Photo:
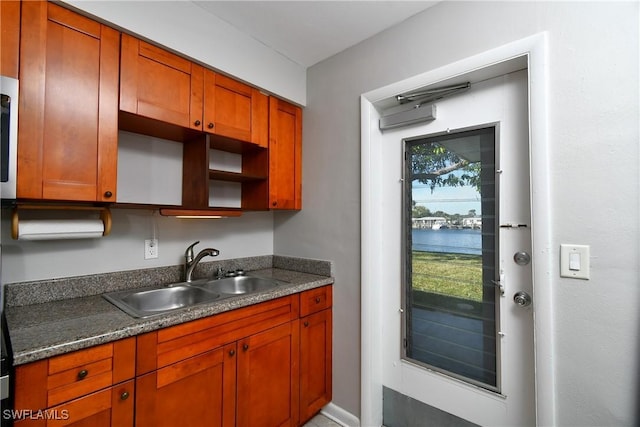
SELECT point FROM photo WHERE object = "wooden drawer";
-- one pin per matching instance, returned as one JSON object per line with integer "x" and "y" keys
{"x": 173, "y": 344}
{"x": 315, "y": 300}
{"x": 49, "y": 382}
{"x": 110, "y": 407}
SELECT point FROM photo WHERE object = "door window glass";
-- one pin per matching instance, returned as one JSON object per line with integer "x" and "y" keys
{"x": 450, "y": 217}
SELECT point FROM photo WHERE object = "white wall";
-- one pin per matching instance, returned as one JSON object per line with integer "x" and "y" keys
{"x": 593, "y": 138}
{"x": 245, "y": 236}
{"x": 190, "y": 30}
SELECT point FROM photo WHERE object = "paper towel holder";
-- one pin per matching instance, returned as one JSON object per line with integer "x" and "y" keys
{"x": 105, "y": 215}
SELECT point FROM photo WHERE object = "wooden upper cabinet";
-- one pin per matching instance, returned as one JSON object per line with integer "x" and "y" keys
{"x": 157, "y": 84}
{"x": 68, "y": 128}
{"x": 235, "y": 110}
{"x": 9, "y": 37}
{"x": 160, "y": 85}
{"x": 285, "y": 155}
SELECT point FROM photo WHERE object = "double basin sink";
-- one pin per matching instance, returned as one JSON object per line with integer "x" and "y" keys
{"x": 159, "y": 300}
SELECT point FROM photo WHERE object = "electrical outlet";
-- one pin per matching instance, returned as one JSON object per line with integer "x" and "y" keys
{"x": 150, "y": 248}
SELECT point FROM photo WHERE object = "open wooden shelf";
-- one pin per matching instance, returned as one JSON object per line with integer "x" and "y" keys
{"x": 234, "y": 176}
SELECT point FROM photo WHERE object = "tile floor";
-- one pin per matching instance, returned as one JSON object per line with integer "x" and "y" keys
{"x": 321, "y": 421}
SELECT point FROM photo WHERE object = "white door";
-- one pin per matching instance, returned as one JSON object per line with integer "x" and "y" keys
{"x": 458, "y": 297}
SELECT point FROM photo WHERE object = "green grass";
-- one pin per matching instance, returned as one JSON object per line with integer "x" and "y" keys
{"x": 456, "y": 275}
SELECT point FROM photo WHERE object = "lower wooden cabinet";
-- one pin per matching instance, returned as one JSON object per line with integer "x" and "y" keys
{"x": 198, "y": 391}
{"x": 112, "y": 406}
{"x": 315, "y": 363}
{"x": 268, "y": 378}
{"x": 266, "y": 365}
{"x": 89, "y": 387}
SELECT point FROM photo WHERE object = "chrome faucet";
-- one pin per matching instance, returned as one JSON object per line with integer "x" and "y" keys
{"x": 190, "y": 261}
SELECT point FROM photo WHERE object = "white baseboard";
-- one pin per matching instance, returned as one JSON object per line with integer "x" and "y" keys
{"x": 340, "y": 416}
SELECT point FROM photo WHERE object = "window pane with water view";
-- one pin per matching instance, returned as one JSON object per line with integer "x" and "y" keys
{"x": 451, "y": 252}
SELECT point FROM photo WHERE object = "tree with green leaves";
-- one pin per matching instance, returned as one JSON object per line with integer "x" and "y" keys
{"x": 432, "y": 164}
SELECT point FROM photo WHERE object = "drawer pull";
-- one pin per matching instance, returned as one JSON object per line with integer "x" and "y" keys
{"x": 197, "y": 123}
{"x": 210, "y": 125}
{"x": 306, "y": 324}
{"x": 318, "y": 300}
{"x": 232, "y": 353}
{"x": 82, "y": 374}
{"x": 245, "y": 347}
{"x": 124, "y": 395}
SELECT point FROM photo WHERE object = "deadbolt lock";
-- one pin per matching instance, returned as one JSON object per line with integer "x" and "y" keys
{"x": 522, "y": 258}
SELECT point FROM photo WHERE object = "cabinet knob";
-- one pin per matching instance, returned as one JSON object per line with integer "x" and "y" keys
{"x": 210, "y": 125}
{"x": 197, "y": 123}
{"x": 318, "y": 300}
{"x": 232, "y": 353}
{"x": 124, "y": 395}
{"x": 83, "y": 374}
{"x": 245, "y": 347}
{"x": 306, "y": 324}
{"x": 274, "y": 204}
{"x": 108, "y": 194}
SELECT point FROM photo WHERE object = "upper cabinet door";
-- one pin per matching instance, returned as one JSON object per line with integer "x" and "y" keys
{"x": 68, "y": 127}
{"x": 9, "y": 38}
{"x": 235, "y": 110}
{"x": 160, "y": 85}
{"x": 285, "y": 155}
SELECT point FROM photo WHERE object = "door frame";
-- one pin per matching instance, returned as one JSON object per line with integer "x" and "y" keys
{"x": 488, "y": 64}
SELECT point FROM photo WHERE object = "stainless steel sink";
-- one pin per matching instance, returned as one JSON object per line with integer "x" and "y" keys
{"x": 159, "y": 300}
{"x": 154, "y": 301}
{"x": 238, "y": 285}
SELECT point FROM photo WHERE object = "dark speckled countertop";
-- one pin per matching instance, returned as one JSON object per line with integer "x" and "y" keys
{"x": 42, "y": 330}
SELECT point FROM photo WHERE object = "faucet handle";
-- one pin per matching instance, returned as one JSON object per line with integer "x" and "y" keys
{"x": 188, "y": 254}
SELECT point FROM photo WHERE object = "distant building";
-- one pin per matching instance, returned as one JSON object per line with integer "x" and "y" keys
{"x": 428, "y": 222}
{"x": 475, "y": 222}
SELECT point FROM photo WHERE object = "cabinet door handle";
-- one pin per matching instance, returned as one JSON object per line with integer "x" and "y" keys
{"x": 210, "y": 125}
{"x": 232, "y": 353}
{"x": 245, "y": 347}
{"x": 196, "y": 123}
{"x": 124, "y": 395}
{"x": 306, "y": 324}
{"x": 318, "y": 300}
{"x": 274, "y": 203}
{"x": 82, "y": 374}
{"x": 108, "y": 194}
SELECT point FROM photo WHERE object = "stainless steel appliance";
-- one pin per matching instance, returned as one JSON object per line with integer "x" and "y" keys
{"x": 8, "y": 136}
{"x": 8, "y": 160}
{"x": 5, "y": 362}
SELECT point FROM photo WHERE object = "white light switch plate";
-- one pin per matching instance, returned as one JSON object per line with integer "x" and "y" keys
{"x": 574, "y": 261}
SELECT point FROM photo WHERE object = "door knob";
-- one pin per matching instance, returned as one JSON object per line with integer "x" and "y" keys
{"x": 522, "y": 298}
{"x": 522, "y": 258}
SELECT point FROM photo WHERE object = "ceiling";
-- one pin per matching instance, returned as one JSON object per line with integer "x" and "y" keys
{"x": 308, "y": 32}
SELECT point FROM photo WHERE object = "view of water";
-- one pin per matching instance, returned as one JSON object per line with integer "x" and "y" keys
{"x": 465, "y": 241}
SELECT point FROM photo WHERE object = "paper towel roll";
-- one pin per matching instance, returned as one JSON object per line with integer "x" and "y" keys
{"x": 35, "y": 229}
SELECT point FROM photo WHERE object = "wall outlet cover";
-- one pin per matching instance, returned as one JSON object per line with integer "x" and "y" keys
{"x": 151, "y": 248}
